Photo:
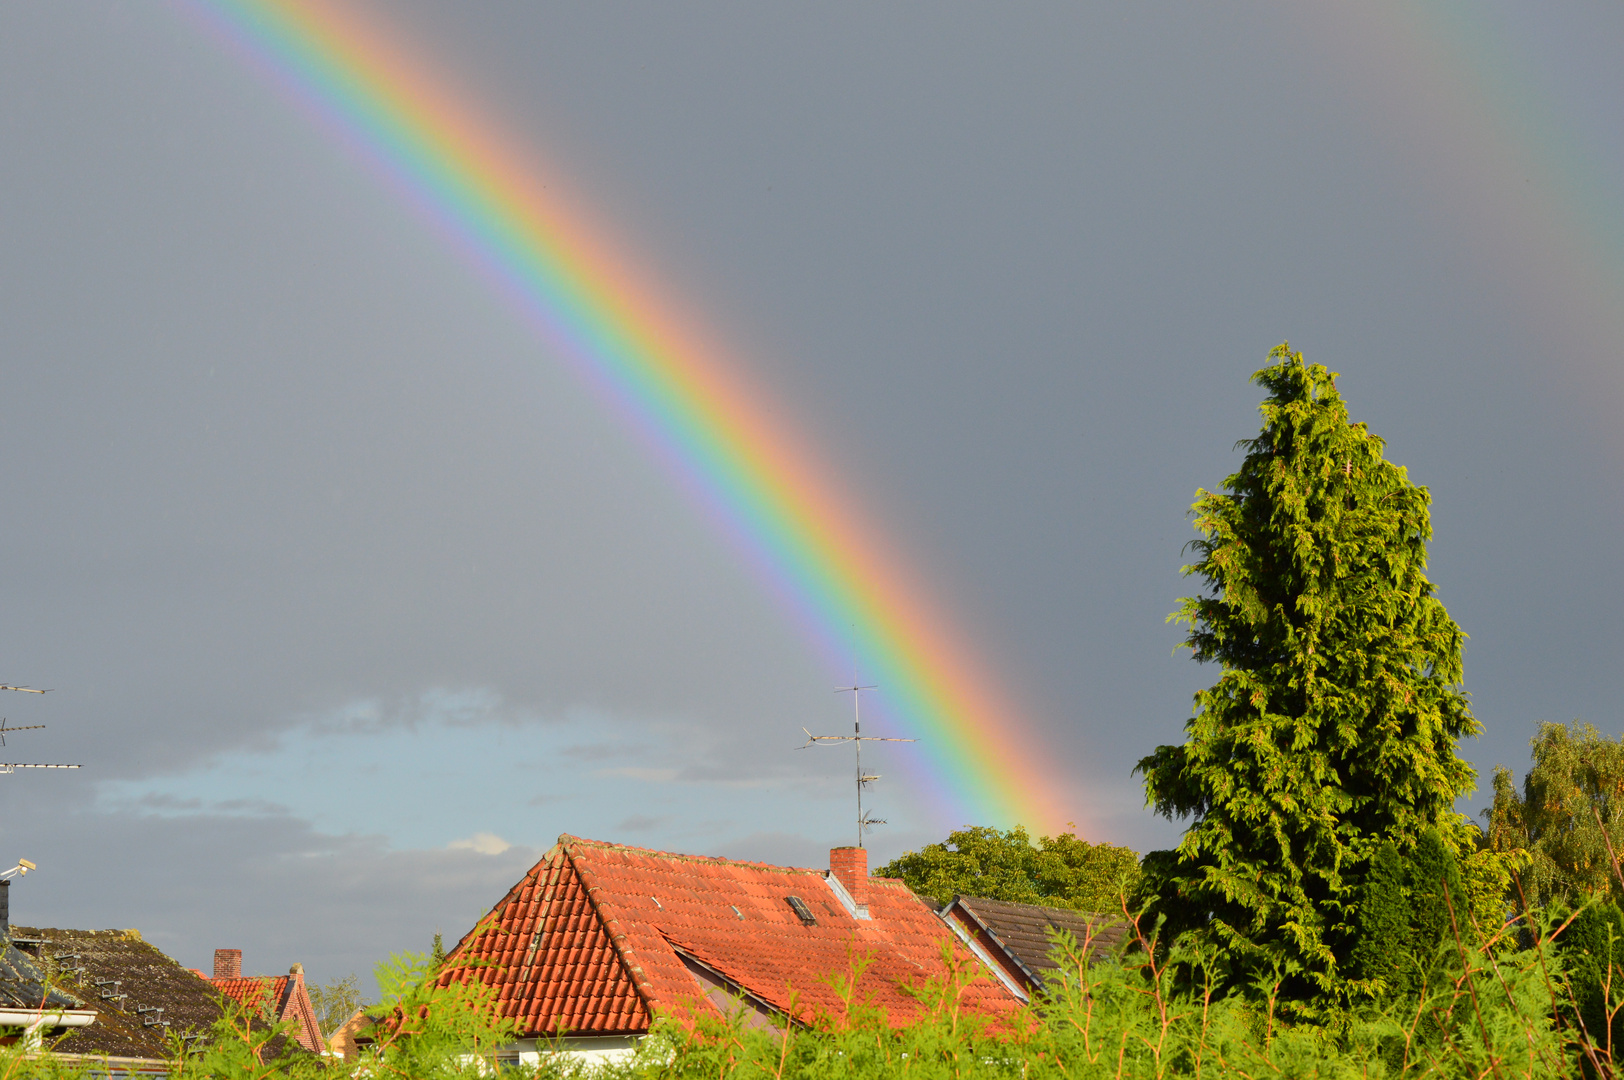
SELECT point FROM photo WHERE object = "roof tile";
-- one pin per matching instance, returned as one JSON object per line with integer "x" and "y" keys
{"x": 592, "y": 940}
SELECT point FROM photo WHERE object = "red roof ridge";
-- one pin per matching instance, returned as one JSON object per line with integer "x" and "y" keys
{"x": 565, "y": 840}
{"x": 493, "y": 917}
{"x": 611, "y": 924}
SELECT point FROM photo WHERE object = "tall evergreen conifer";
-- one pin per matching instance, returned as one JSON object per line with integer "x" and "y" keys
{"x": 1333, "y": 726}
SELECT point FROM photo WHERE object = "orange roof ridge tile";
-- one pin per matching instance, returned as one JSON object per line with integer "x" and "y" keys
{"x": 565, "y": 839}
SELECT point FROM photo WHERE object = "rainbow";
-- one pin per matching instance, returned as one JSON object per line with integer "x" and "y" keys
{"x": 661, "y": 374}
{"x": 1498, "y": 154}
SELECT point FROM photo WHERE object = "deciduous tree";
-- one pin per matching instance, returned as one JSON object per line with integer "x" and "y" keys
{"x": 1570, "y": 808}
{"x": 335, "y": 1002}
{"x": 1058, "y": 871}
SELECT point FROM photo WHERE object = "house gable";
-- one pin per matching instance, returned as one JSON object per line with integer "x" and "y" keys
{"x": 552, "y": 957}
{"x": 599, "y": 937}
{"x": 284, "y": 997}
{"x": 297, "y": 1007}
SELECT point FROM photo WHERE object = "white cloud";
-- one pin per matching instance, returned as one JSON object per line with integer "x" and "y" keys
{"x": 483, "y": 843}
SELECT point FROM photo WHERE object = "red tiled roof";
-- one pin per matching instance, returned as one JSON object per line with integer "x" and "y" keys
{"x": 594, "y": 938}
{"x": 250, "y": 990}
{"x": 287, "y": 1003}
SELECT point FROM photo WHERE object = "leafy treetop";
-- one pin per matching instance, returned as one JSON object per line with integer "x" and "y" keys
{"x": 1058, "y": 871}
{"x": 1570, "y": 808}
{"x": 335, "y": 1002}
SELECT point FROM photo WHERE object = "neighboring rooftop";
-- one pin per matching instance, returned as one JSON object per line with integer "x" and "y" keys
{"x": 352, "y": 1036}
{"x": 1016, "y": 936}
{"x": 600, "y": 937}
{"x": 24, "y": 984}
{"x": 285, "y": 997}
{"x": 140, "y": 995}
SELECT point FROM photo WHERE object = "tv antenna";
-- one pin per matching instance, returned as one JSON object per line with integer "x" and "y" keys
{"x": 8, "y": 767}
{"x": 857, "y": 739}
{"x": 4, "y": 731}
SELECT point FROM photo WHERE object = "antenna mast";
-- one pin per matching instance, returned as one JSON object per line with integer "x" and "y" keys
{"x": 857, "y": 739}
{"x": 7, "y": 767}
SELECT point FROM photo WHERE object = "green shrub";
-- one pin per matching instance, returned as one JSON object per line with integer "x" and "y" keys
{"x": 1130, "y": 1018}
{"x": 1592, "y": 951}
{"x": 1148, "y": 1014}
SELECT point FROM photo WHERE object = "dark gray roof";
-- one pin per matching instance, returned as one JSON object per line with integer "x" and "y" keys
{"x": 1022, "y": 929}
{"x": 135, "y": 978}
{"x": 25, "y": 985}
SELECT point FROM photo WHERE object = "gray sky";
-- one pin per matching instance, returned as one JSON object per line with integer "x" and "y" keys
{"x": 353, "y": 598}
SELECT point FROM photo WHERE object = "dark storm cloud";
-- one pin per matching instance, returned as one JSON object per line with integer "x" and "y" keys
{"x": 279, "y": 471}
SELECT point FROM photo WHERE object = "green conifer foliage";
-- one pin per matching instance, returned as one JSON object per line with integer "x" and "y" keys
{"x": 1407, "y": 918}
{"x": 1593, "y": 953}
{"x": 1333, "y": 726}
{"x": 1438, "y": 900}
{"x": 1385, "y": 917}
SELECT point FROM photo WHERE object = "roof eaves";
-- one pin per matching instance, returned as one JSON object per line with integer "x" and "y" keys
{"x": 958, "y": 902}
{"x": 1020, "y": 992}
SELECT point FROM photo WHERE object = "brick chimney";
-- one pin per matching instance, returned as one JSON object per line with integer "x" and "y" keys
{"x": 228, "y": 963}
{"x": 849, "y": 865}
